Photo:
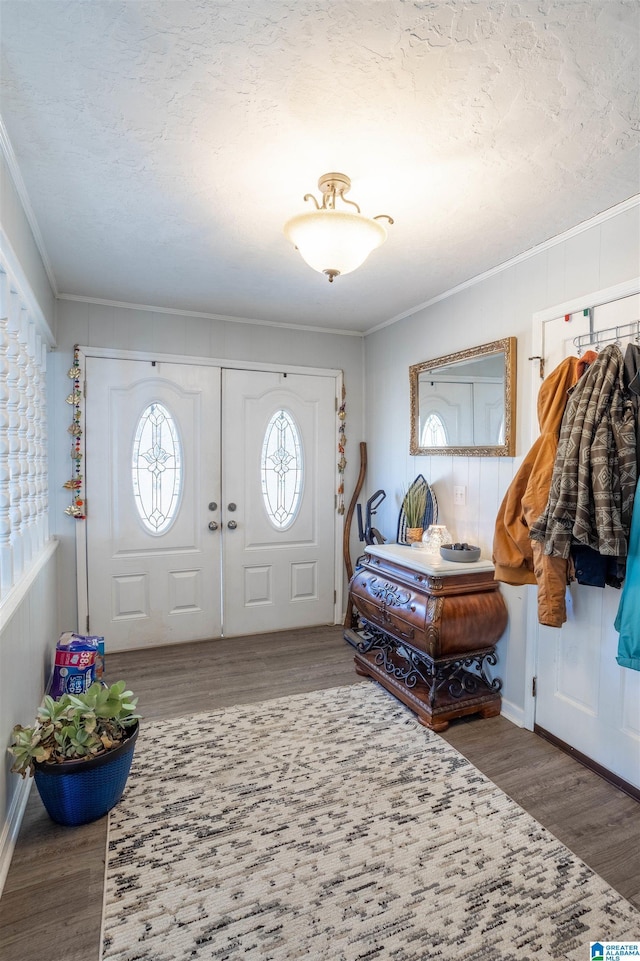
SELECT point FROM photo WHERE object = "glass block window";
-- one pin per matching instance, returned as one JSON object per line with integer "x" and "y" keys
{"x": 156, "y": 469}
{"x": 282, "y": 469}
{"x": 24, "y": 481}
{"x": 434, "y": 433}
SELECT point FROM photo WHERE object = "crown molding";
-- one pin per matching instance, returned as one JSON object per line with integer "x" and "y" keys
{"x": 178, "y": 312}
{"x": 21, "y": 190}
{"x": 518, "y": 259}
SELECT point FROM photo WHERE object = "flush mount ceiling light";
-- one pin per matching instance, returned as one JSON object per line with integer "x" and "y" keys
{"x": 335, "y": 241}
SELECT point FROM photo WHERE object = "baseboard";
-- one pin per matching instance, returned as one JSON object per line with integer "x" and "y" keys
{"x": 11, "y": 827}
{"x": 512, "y": 712}
{"x": 631, "y": 789}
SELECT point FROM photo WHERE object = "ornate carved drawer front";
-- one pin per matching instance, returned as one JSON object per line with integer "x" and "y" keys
{"x": 393, "y": 607}
{"x": 428, "y": 638}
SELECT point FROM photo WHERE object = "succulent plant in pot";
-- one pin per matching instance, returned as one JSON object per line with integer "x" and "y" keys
{"x": 79, "y": 750}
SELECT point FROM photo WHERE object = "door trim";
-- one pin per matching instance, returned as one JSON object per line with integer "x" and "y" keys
{"x": 192, "y": 359}
{"x": 108, "y": 353}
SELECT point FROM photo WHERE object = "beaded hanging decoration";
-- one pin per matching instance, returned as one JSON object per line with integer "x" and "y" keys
{"x": 342, "y": 440}
{"x": 77, "y": 506}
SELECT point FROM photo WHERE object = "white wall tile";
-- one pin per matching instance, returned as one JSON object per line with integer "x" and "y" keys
{"x": 77, "y": 321}
{"x": 102, "y": 324}
{"x": 556, "y": 274}
{"x": 619, "y": 248}
{"x": 582, "y": 262}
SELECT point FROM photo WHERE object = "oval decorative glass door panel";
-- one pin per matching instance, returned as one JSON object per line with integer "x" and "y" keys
{"x": 156, "y": 469}
{"x": 282, "y": 469}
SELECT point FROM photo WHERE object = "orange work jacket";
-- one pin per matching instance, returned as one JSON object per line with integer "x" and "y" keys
{"x": 519, "y": 560}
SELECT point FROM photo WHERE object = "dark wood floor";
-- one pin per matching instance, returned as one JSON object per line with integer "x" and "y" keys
{"x": 52, "y": 902}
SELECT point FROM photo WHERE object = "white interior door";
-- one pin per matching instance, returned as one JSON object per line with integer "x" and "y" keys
{"x": 279, "y": 473}
{"x": 583, "y": 696}
{"x": 152, "y": 469}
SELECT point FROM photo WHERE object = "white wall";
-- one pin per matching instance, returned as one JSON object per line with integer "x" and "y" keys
{"x": 499, "y": 306}
{"x": 97, "y": 325}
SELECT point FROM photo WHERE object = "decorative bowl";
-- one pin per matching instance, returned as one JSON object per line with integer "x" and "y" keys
{"x": 460, "y": 553}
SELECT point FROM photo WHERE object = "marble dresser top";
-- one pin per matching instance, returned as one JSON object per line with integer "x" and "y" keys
{"x": 418, "y": 559}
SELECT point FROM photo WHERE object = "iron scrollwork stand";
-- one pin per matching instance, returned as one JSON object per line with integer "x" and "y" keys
{"x": 459, "y": 675}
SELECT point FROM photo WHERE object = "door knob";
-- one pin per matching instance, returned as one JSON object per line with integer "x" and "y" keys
{"x": 213, "y": 526}
{"x": 231, "y": 506}
{"x": 213, "y": 506}
{"x": 232, "y": 525}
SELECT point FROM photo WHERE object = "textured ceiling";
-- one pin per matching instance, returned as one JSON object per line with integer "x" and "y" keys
{"x": 164, "y": 144}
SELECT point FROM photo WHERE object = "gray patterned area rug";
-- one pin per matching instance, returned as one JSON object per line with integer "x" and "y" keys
{"x": 333, "y": 827}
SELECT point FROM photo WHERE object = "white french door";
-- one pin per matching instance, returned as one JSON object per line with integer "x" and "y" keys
{"x": 194, "y": 526}
{"x": 151, "y": 581}
{"x": 277, "y": 561}
{"x": 582, "y": 696}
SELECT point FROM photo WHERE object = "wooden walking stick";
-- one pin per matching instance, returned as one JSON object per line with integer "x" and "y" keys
{"x": 346, "y": 550}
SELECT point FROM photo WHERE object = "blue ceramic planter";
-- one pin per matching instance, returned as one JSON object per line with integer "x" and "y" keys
{"x": 77, "y": 792}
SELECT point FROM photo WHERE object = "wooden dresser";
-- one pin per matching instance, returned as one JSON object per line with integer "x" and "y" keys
{"x": 426, "y": 629}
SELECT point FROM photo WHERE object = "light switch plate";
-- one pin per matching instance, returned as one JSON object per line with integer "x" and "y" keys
{"x": 459, "y": 495}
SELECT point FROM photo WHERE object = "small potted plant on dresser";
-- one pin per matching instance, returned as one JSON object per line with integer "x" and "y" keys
{"x": 79, "y": 751}
{"x": 414, "y": 505}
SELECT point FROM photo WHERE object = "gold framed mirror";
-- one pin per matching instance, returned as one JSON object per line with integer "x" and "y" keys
{"x": 465, "y": 403}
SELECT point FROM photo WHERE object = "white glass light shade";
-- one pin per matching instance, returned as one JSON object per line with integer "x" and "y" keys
{"x": 334, "y": 240}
